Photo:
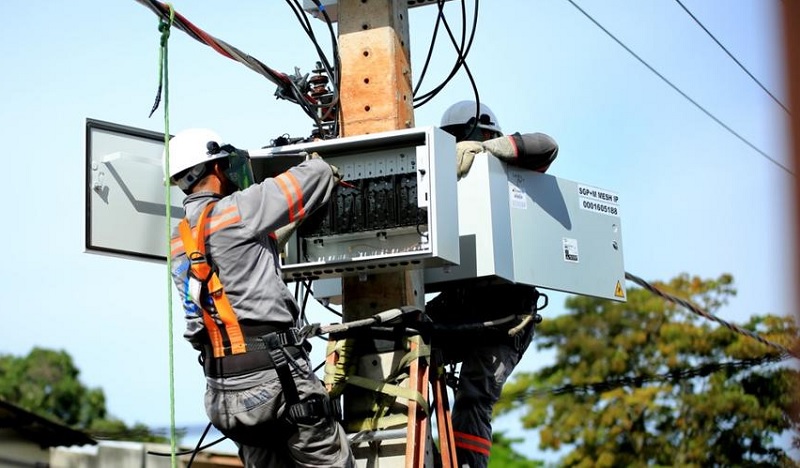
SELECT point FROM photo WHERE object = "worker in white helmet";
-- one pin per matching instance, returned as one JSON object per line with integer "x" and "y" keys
{"x": 261, "y": 391}
{"x": 487, "y": 360}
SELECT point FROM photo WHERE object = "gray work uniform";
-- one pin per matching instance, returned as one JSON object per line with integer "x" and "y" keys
{"x": 240, "y": 242}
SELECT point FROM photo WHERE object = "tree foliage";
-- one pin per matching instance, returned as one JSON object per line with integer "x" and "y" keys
{"x": 503, "y": 454}
{"x": 46, "y": 382}
{"x": 645, "y": 383}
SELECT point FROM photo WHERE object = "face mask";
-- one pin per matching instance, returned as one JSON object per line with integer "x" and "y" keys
{"x": 240, "y": 171}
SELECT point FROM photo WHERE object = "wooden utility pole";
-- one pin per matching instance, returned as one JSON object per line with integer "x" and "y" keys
{"x": 376, "y": 96}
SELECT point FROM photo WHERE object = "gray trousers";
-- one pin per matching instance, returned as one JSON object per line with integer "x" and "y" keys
{"x": 253, "y": 419}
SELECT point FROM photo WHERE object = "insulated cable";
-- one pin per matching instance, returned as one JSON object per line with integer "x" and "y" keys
{"x": 639, "y": 380}
{"x": 429, "y": 55}
{"x": 707, "y": 315}
{"x": 287, "y": 88}
{"x": 462, "y": 48}
{"x": 328, "y": 110}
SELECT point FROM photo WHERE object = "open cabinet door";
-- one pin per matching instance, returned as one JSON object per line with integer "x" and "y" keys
{"x": 125, "y": 197}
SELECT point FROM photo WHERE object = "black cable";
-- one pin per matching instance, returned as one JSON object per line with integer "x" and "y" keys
{"x": 302, "y": 18}
{"x": 459, "y": 46}
{"x": 337, "y": 66}
{"x": 679, "y": 91}
{"x": 287, "y": 88}
{"x": 702, "y": 370}
{"x": 163, "y": 11}
{"x": 732, "y": 57}
{"x": 461, "y": 49}
{"x": 707, "y": 315}
{"x": 330, "y": 309}
{"x": 307, "y": 293}
{"x": 429, "y": 55}
{"x": 197, "y": 449}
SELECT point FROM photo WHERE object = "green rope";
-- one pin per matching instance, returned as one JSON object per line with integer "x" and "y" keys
{"x": 163, "y": 83}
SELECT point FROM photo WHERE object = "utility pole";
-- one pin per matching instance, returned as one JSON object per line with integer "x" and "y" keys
{"x": 376, "y": 96}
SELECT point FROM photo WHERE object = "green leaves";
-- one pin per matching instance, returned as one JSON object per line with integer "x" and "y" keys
{"x": 46, "y": 382}
{"x": 647, "y": 383}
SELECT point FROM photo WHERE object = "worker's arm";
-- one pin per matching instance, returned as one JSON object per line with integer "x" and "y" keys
{"x": 535, "y": 151}
{"x": 287, "y": 198}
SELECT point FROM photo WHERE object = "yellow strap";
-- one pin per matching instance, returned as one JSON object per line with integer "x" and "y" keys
{"x": 373, "y": 424}
{"x": 389, "y": 389}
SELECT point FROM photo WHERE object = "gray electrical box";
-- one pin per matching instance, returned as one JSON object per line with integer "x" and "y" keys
{"x": 521, "y": 226}
{"x": 397, "y": 210}
{"x": 125, "y": 192}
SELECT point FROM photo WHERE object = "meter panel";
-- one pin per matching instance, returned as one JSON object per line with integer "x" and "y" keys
{"x": 396, "y": 210}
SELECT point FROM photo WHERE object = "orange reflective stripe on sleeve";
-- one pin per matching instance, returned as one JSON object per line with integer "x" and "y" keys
{"x": 287, "y": 194}
{"x": 229, "y": 215}
{"x": 472, "y": 443}
{"x": 290, "y": 187}
{"x": 300, "y": 209}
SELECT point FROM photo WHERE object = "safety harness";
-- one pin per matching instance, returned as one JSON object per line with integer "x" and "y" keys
{"x": 237, "y": 349}
{"x": 204, "y": 282}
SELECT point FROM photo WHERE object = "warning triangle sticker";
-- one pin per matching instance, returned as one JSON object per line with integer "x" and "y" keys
{"x": 618, "y": 291}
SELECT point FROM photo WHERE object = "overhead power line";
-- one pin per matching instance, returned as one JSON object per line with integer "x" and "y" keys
{"x": 707, "y": 315}
{"x": 703, "y": 370}
{"x": 681, "y": 92}
{"x": 732, "y": 57}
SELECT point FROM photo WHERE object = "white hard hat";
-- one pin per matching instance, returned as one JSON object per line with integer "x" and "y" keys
{"x": 188, "y": 149}
{"x": 464, "y": 113}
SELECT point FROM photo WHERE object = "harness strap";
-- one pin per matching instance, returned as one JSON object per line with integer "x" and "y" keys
{"x": 311, "y": 410}
{"x": 275, "y": 346}
{"x": 202, "y": 271}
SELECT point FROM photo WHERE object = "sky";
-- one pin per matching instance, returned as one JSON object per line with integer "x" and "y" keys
{"x": 694, "y": 198}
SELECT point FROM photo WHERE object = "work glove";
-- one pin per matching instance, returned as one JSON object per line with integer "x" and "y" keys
{"x": 465, "y": 155}
{"x": 337, "y": 175}
{"x": 534, "y": 151}
{"x": 283, "y": 234}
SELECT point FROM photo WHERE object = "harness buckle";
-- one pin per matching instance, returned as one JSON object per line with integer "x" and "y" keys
{"x": 314, "y": 409}
{"x": 283, "y": 338}
{"x": 199, "y": 268}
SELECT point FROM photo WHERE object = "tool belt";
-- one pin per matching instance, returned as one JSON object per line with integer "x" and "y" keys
{"x": 259, "y": 355}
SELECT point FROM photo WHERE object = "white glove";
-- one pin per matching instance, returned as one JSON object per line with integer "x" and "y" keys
{"x": 337, "y": 175}
{"x": 465, "y": 154}
{"x": 283, "y": 234}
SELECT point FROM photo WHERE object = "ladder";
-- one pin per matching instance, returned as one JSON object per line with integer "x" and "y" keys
{"x": 397, "y": 433}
